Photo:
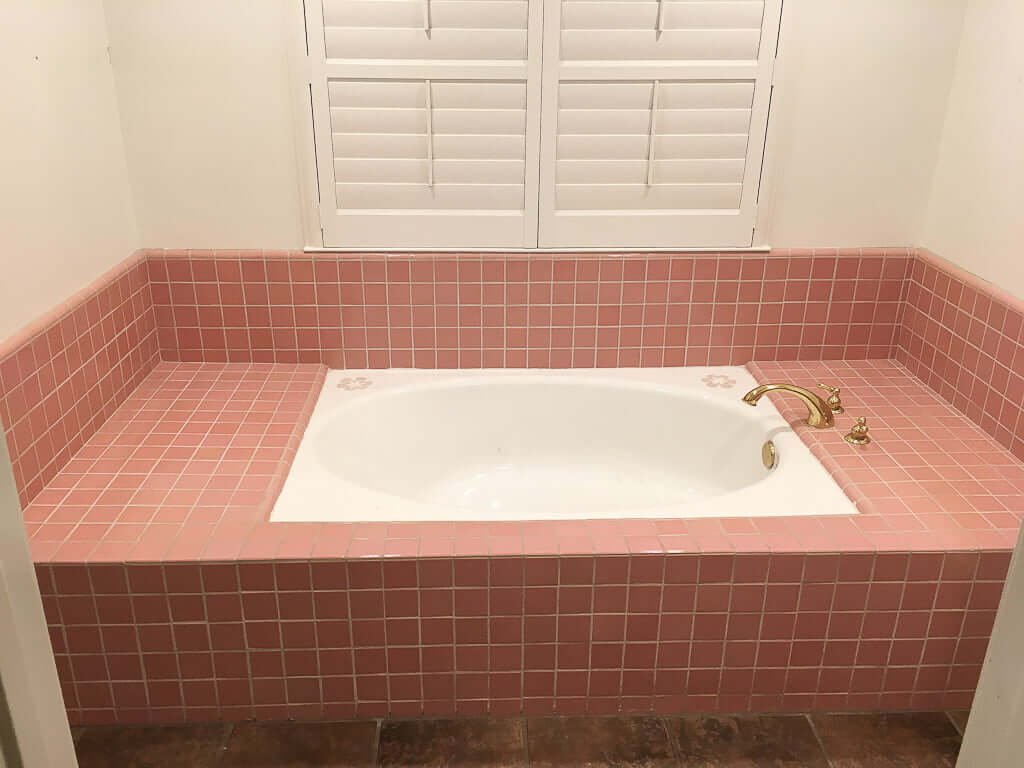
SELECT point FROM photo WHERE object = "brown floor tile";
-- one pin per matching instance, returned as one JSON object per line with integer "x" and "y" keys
{"x": 912, "y": 740}
{"x": 194, "y": 746}
{"x": 301, "y": 745}
{"x": 747, "y": 741}
{"x": 623, "y": 742}
{"x": 959, "y": 719}
{"x": 455, "y": 743}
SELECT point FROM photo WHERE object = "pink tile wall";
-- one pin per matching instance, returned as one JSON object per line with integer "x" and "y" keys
{"x": 473, "y": 310}
{"x": 334, "y": 639}
{"x": 63, "y": 376}
{"x": 965, "y": 339}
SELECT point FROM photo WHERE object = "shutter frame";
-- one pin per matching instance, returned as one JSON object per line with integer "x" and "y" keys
{"x": 368, "y": 153}
{"x": 566, "y": 222}
{"x": 452, "y": 216}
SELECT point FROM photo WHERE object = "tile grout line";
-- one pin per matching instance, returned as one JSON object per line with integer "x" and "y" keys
{"x": 527, "y": 761}
{"x": 673, "y": 741}
{"x": 818, "y": 739}
{"x": 526, "y": 740}
{"x": 222, "y": 750}
{"x": 956, "y": 725}
{"x": 378, "y": 727}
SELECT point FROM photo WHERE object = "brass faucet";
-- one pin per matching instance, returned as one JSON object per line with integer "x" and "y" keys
{"x": 819, "y": 413}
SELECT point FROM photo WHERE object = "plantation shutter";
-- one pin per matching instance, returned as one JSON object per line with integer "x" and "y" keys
{"x": 654, "y": 122}
{"x": 426, "y": 116}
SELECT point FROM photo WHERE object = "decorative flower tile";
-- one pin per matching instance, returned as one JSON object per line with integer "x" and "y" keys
{"x": 353, "y": 384}
{"x": 719, "y": 380}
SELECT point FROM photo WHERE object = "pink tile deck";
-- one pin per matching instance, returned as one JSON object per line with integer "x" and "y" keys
{"x": 931, "y": 478}
{"x": 188, "y": 467}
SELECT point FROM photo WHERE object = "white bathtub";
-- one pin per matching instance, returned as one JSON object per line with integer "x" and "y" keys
{"x": 415, "y": 445}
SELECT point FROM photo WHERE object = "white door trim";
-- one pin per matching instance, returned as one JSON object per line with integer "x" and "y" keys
{"x": 27, "y": 666}
{"x": 994, "y": 737}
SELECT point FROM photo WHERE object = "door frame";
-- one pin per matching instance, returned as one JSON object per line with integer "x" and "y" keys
{"x": 994, "y": 737}
{"x": 28, "y": 670}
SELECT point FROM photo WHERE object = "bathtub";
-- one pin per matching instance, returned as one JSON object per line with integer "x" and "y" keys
{"x": 419, "y": 445}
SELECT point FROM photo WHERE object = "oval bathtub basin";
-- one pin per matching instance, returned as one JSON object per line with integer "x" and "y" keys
{"x": 401, "y": 445}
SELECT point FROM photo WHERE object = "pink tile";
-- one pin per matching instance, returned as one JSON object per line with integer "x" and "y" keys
{"x": 206, "y": 491}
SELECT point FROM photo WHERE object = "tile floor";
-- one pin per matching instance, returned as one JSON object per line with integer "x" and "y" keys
{"x": 903, "y": 740}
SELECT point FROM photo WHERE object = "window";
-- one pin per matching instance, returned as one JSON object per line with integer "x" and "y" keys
{"x": 540, "y": 123}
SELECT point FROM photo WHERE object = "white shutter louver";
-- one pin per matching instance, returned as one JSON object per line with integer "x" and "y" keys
{"x": 669, "y": 30}
{"x": 427, "y": 134}
{"x": 654, "y": 121}
{"x": 407, "y": 30}
{"x": 435, "y": 126}
{"x": 467, "y": 151}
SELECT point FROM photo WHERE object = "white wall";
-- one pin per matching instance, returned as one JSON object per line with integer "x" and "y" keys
{"x": 975, "y": 216}
{"x": 27, "y": 668}
{"x": 855, "y": 128}
{"x": 65, "y": 205}
{"x": 204, "y": 92}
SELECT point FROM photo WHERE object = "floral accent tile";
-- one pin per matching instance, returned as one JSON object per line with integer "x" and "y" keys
{"x": 719, "y": 380}
{"x": 353, "y": 384}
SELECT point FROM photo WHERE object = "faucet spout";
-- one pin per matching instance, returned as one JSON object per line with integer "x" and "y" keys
{"x": 819, "y": 413}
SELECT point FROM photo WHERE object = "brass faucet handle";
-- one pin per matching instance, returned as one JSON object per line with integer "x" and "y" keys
{"x": 835, "y": 402}
{"x": 859, "y": 434}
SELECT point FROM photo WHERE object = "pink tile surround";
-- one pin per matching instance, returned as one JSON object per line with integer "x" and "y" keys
{"x": 430, "y": 310}
{"x": 63, "y": 376}
{"x": 493, "y": 310}
{"x": 203, "y": 610}
{"x": 965, "y": 339}
{"x": 888, "y": 610}
{"x": 436, "y": 636}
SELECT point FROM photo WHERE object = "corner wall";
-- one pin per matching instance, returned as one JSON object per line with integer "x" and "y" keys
{"x": 65, "y": 206}
{"x": 974, "y": 215}
{"x": 860, "y": 93}
{"x": 205, "y": 90}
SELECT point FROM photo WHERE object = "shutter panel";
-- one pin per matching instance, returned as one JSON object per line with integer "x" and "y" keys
{"x": 624, "y": 30}
{"x": 464, "y": 30}
{"x": 654, "y": 121}
{"x": 426, "y": 114}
